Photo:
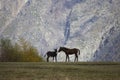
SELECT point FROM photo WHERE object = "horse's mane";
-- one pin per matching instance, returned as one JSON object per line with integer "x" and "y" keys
{"x": 64, "y": 48}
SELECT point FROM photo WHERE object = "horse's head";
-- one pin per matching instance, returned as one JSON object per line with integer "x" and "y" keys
{"x": 55, "y": 50}
{"x": 60, "y": 49}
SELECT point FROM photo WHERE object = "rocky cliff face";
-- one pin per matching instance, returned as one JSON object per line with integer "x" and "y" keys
{"x": 90, "y": 25}
{"x": 109, "y": 48}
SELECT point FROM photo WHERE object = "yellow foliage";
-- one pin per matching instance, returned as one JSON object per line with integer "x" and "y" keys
{"x": 22, "y": 52}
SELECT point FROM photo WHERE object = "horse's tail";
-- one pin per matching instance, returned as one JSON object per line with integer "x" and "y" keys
{"x": 78, "y": 51}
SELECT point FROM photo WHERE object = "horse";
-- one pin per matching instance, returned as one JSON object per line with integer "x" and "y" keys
{"x": 51, "y": 54}
{"x": 70, "y": 52}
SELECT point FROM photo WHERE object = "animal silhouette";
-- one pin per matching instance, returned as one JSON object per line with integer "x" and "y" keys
{"x": 52, "y": 54}
{"x": 70, "y": 52}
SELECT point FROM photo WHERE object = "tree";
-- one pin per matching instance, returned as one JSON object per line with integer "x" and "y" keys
{"x": 22, "y": 52}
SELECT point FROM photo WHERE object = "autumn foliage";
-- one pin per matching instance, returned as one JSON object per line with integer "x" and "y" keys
{"x": 22, "y": 51}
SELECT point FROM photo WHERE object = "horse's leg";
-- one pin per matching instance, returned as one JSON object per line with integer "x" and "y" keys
{"x": 56, "y": 58}
{"x": 53, "y": 58}
{"x": 47, "y": 58}
{"x": 75, "y": 58}
{"x": 66, "y": 59}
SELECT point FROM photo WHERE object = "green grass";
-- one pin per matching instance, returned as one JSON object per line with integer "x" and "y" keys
{"x": 59, "y": 71}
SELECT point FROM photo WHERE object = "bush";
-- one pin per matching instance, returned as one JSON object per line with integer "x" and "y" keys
{"x": 22, "y": 52}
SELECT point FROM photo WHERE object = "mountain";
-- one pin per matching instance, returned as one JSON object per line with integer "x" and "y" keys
{"x": 89, "y": 25}
{"x": 109, "y": 48}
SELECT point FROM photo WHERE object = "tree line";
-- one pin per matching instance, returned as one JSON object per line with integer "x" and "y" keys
{"x": 20, "y": 51}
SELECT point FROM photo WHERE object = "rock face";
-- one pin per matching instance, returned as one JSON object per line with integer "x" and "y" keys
{"x": 109, "y": 48}
{"x": 93, "y": 26}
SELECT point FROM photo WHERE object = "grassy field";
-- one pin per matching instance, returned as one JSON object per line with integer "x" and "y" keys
{"x": 59, "y": 71}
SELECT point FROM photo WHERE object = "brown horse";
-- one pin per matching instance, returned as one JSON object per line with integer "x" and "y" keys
{"x": 51, "y": 54}
{"x": 70, "y": 52}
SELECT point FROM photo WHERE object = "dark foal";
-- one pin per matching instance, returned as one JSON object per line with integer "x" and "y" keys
{"x": 52, "y": 54}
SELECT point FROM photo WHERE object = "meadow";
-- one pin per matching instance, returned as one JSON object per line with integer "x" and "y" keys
{"x": 59, "y": 71}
